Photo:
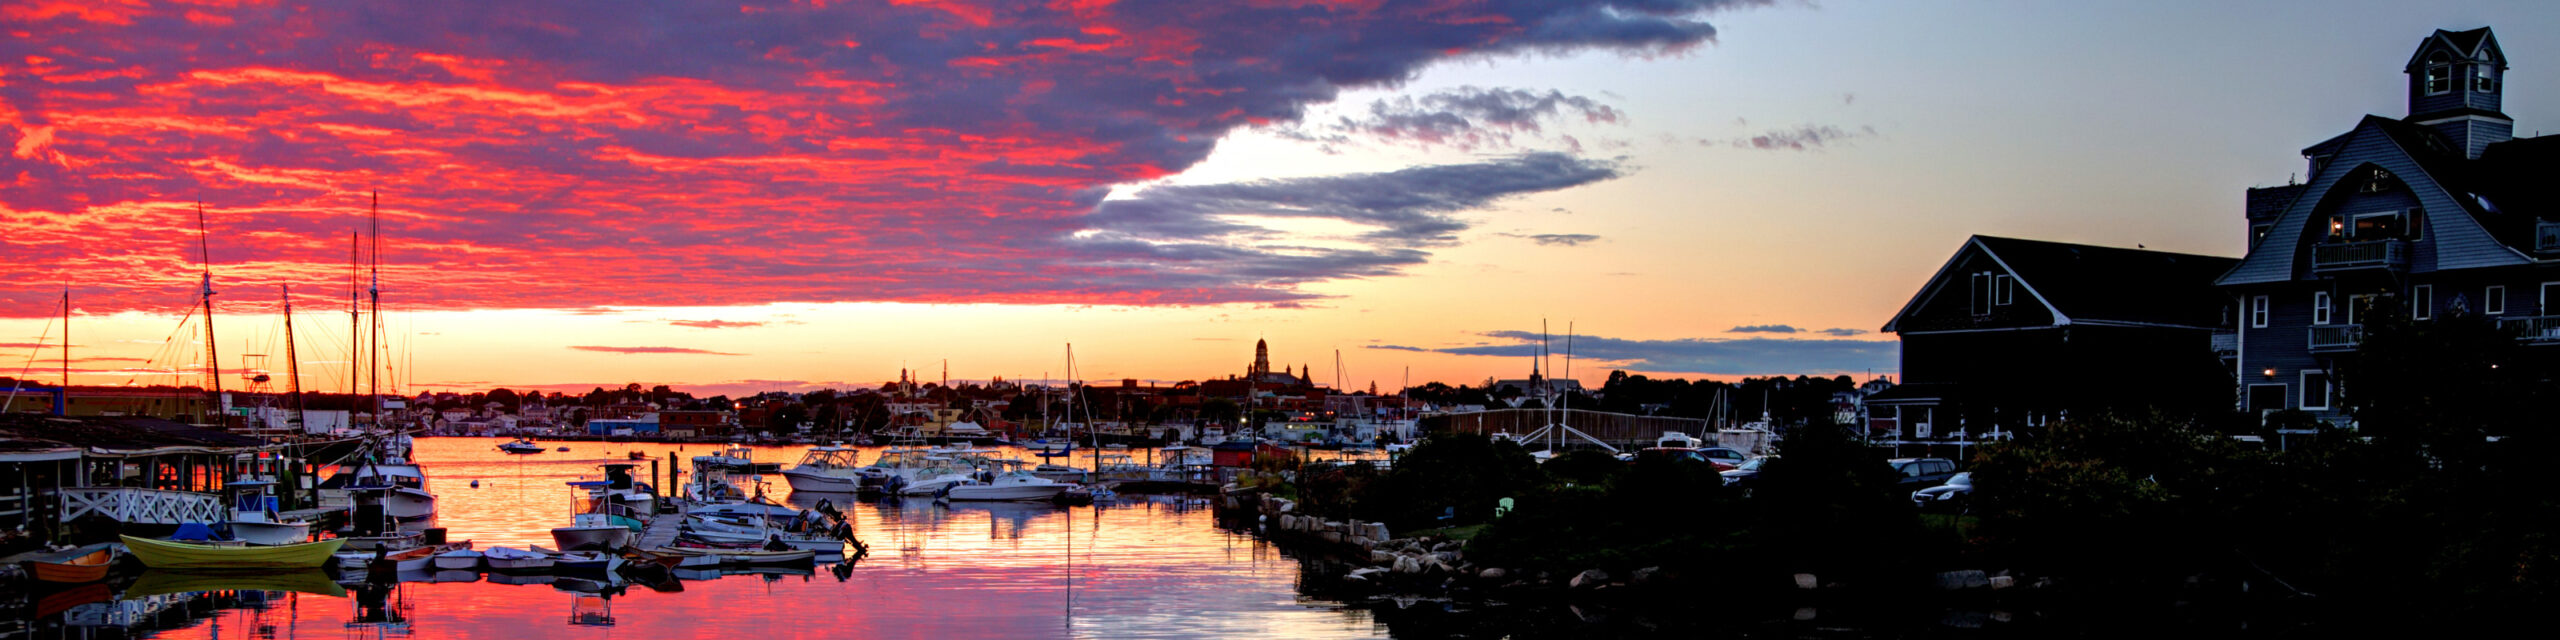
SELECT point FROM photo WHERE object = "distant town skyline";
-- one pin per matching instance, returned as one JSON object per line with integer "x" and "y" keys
{"x": 786, "y": 196}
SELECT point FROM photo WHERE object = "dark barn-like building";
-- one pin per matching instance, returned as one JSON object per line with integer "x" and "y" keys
{"x": 2014, "y": 333}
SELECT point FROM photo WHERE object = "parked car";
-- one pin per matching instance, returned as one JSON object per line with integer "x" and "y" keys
{"x": 1724, "y": 458}
{"x": 1742, "y": 476}
{"x": 1922, "y": 471}
{"x": 1956, "y": 496}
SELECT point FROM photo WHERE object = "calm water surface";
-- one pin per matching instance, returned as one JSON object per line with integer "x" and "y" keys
{"x": 1138, "y": 567}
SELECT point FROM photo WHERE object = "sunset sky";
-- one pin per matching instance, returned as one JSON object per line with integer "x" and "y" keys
{"x": 758, "y": 194}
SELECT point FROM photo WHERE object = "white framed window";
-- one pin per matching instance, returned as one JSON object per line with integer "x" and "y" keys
{"x": 2320, "y": 307}
{"x": 2266, "y": 397}
{"x": 2494, "y": 301}
{"x": 2316, "y": 393}
{"x": 2422, "y": 302}
{"x": 2005, "y": 291}
{"x": 2484, "y": 79}
{"x": 2439, "y": 73}
{"x": 2257, "y": 312}
{"x": 1982, "y": 293}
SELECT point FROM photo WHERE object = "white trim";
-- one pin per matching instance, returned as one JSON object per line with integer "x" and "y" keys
{"x": 1982, "y": 330}
{"x": 2493, "y": 301}
{"x": 2003, "y": 289}
{"x": 2467, "y": 116}
{"x": 2422, "y": 302}
{"x": 2284, "y": 395}
{"x": 2058, "y": 318}
{"x": 2259, "y": 312}
{"x": 2321, "y": 307}
{"x": 2328, "y": 385}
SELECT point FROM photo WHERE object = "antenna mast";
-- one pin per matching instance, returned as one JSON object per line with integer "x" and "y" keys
{"x": 373, "y": 372}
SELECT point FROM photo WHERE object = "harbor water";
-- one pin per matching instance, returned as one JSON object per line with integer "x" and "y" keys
{"x": 1127, "y": 568}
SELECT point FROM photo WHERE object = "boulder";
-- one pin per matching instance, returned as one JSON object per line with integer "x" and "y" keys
{"x": 1645, "y": 575}
{"x": 1360, "y": 541}
{"x": 1330, "y": 535}
{"x": 1287, "y": 505}
{"x": 2003, "y": 582}
{"x": 1807, "y": 581}
{"x": 1495, "y": 573}
{"x": 1366, "y": 573}
{"x": 1446, "y": 557}
{"x": 1966, "y": 579}
{"x": 1379, "y": 530}
{"x": 1806, "y": 614}
{"x": 1408, "y": 564}
{"x": 1589, "y": 579}
{"x": 1444, "y": 546}
{"x": 1382, "y": 557}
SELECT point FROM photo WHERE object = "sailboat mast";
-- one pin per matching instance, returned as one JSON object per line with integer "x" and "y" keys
{"x": 373, "y": 371}
{"x": 212, "y": 354}
{"x": 293, "y": 363}
{"x": 355, "y": 320}
{"x": 66, "y": 344}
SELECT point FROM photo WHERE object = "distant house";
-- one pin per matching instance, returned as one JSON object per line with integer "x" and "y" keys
{"x": 2013, "y": 333}
{"x": 2436, "y": 214}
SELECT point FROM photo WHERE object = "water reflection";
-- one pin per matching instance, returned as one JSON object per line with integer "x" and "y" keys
{"x": 1138, "y": 568}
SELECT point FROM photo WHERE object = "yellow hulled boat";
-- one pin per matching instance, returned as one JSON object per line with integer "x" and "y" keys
{"x": 167, "y": 554}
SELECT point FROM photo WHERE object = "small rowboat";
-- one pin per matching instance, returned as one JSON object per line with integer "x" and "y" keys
{"x": 85, "y": 568}
{"x": 169, "y": 554}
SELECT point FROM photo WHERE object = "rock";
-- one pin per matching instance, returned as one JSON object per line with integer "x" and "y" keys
{"x": 1444, "y": 546}
{"x": 1495, "y": 573}
{"x": 1589, "y": 579}
{"x": 1382, "y": 557}
{"x": 1366, "y": 573}
{"x": 1362, "y": 542}
{"x": 1966, "y": 579}
{"x": 1807, "y": 581}
{"x": 1806, "y": 614}
{"x": 2003, "y": 582}
{"x": 1380, "y": 530}
{"x": 1445, "y": 557}
{"x": 1355, "y": 577}
{"x": 1330, "y": 535}
{"x": 1333, "y": 526}
{"x": 1287, "y": 505}
{"x": 1645, "y": 575}
{"x": 2041, "y": 583}
{"x": 1408, "y": 564}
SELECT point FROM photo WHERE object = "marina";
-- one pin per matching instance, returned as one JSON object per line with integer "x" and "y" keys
{"x": 1117, "y": 568}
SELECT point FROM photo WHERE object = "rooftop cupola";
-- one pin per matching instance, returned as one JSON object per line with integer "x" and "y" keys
{"x": 2455, "y": 79}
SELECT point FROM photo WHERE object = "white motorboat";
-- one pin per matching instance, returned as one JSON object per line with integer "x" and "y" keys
{"x": 406, "y": 500}
{"x": 748, "y": 508}
{"x": 458, "y": 560}
{"x": 521, "y": 446}
{"x": 826, "y": 469}
{"x": 586, "y": 562}
{"x": 512, "y": 559}
{"x": 1212, "y": 436}
{"x": 254, "y": 519}
{"x": 596, "y": 521}
{"x": 1010, "y": 485}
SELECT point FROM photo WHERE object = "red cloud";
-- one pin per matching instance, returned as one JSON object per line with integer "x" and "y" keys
{"x": 554, "y": 155}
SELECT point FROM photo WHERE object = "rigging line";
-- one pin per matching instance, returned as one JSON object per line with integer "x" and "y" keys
{"x": 32, "y": 354}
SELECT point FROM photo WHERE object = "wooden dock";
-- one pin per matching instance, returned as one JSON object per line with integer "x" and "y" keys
{"x": 661, "y": 532}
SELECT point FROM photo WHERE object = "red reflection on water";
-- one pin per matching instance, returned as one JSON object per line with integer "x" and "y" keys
{"x": 1138, "y": 568}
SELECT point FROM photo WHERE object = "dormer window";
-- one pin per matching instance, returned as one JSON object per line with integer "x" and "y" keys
{"x": 2439, "y": 73}
{"x": 2484, "y": 78}
{"x": 2377, "y": 180}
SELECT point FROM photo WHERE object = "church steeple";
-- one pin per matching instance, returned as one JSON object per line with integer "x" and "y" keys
{"x": 2455, "y": 81}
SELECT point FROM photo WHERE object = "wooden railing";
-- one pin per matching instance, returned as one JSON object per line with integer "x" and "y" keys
{"x": 2534, "y": 329}
{"x": 2390, "y": 253}
{"x": 142, "y": 506}
{"x": 2334, "y": 337}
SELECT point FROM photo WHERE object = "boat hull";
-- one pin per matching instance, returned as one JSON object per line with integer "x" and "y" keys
{"x": 163, "y": 554}
{"x": 1004, "y": 492}
{"x": 590, "y": 538}
{"x": 88, "y": 567}
{"x": 271, "y": 533}
{"x": 805, "y": 481}
{"x": 458, "y": 561}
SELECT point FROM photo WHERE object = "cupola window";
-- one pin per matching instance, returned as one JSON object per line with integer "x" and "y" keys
{"x": 2484, "y": 78}
{"x": 2439, "y": 73}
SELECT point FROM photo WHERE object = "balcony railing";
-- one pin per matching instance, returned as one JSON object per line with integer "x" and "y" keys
{"x": 2534, "y": 329}
{"x": 2336, "y": 337}
{"x": 2390, "y": 253}
{"x": 2226, "y": 343}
